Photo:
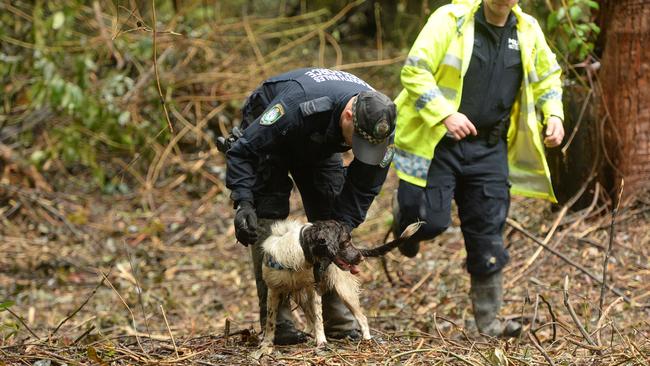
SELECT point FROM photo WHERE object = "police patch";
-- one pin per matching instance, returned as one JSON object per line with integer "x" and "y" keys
{"x": 272, "y": 115}
{"x": 388, "y": 157}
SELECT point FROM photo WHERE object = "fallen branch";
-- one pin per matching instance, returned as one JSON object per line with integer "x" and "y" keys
{"x": 558, "y": 220}
{"x": 80, "y": 306}
{"x": 603, "y": 315}
{"x": 169, "y": 330}
{"x": 553, "y": 317}
{"x": 575, "y": 318}
{"x": 609, "y": 247}
{"x": 104, "y": 35}
{"x": 137, "y": 338}
{"x": 155, "y": 67}
{"x": 540, "y": 349}
{"x": 517, "y": 226}
{"x": 20, "y": 319}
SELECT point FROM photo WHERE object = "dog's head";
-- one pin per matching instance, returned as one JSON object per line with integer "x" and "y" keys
{"x": 330, "y": 242}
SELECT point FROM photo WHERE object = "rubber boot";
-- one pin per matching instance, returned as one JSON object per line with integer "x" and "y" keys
{"x": 487, "y": 297}
{"x": 285, "y": 331}
{"x": 409, "y": 248}
{"x": 339, "y": 321}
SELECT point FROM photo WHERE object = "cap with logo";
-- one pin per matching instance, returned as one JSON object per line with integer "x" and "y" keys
{"x": 373, "y": 116}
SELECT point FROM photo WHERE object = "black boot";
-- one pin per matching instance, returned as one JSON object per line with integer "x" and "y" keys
{"x": 487, "y": 297}
{"x": 285, "y": 331}
{"x": 410, "y": 248}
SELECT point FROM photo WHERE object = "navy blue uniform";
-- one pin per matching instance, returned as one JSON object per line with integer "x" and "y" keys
{"x": 303, "y": 138}
{"x": 474, "y": 170}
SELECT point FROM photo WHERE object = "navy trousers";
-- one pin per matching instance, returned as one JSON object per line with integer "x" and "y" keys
{"x": 475, "y": 174}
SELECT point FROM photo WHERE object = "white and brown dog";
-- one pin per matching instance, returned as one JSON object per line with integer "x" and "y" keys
{"x": 296, "y": 262}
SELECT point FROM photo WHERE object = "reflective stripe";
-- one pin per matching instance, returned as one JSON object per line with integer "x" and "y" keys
{"x": 452, "y": 61}
{"x": 411, "y": 164}
{"x": 550, "y": 72}
{"x": 417, "y": 62}
{"x": 549, "y": 95}
{"x": 532, "y": 76}
{"x": 449, "y": 93}
{"x": 427, "y": 97}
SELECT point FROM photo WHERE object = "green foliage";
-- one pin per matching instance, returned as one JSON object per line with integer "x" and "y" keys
{"x": 5, "y": 305}
{"x": 66, "y": 67}
{"x": 571, "y": 28}
{"x": 53, "y": 56}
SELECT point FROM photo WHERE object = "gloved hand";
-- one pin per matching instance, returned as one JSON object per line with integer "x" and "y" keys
{"x": 246, "y": 223}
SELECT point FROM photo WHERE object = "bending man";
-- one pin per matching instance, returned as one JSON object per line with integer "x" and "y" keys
{"x": 299, "y": 123}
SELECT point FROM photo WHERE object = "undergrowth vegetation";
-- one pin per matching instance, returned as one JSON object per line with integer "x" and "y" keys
{"x": 88, "y": 68}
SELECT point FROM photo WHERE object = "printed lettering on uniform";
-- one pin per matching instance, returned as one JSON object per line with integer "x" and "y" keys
{"x": 513, "y": 44}
{"x": 321, "y": 75}
{"x": 272, "y": 115}
{"x": 388, "y": 157}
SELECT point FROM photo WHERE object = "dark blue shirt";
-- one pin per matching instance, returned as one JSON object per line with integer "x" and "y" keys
{"x": 494, "y": 75}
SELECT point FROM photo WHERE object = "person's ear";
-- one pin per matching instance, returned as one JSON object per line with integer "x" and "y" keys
{"x": 348, "y": 113}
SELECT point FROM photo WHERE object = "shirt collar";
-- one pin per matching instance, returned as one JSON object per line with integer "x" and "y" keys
{"x": 480, "y": 17}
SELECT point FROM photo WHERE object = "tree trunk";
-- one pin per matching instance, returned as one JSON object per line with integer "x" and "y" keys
{"x": 625, "y": 78}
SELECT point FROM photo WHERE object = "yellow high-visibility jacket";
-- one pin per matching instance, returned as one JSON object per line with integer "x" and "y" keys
{"x": 433, "y": 82}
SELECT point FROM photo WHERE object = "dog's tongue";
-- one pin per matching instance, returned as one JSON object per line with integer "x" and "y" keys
{"x": 354, "y": 269}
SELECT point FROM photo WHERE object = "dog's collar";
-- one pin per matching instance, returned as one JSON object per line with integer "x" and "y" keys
{"x": 272, "y": 263}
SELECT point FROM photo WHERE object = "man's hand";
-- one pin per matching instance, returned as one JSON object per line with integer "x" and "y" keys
{"x": 554, "y": 132}
{"x": 459, "y": 126}
{"x": 246, "y": 223}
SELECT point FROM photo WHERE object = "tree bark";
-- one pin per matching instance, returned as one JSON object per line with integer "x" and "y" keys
{"x": 625, "y": 79}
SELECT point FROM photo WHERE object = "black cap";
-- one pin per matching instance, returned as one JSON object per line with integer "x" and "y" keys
{"x": 373, "y": 116}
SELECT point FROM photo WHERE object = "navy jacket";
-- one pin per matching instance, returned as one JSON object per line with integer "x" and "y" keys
{"x": 304, "y": 127}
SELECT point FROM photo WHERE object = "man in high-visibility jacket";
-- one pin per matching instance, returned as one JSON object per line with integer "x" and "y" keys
{"x": 474, "y": 82}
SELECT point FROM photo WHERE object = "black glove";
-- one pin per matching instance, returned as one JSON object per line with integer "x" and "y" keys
{"x": 246, "y": 223}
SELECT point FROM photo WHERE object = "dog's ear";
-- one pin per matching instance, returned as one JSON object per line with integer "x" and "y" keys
{"x": 320, "y": 267}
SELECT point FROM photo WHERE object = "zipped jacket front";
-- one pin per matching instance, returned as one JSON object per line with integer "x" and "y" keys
{"x": 433, "y": 82}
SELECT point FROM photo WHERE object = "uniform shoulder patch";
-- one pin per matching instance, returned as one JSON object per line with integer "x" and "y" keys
{"x": 272, "y": 115}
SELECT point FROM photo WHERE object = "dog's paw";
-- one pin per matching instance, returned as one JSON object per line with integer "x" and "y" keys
{"x": 321, "y": 344}
{"x": 323, "y": 349}
{"x": 264, "y": 350}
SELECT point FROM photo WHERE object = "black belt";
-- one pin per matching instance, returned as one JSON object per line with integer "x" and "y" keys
{"x": 491, "y": 133}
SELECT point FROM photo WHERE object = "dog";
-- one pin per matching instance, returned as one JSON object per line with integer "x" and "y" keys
{"x": 298, "y": 261}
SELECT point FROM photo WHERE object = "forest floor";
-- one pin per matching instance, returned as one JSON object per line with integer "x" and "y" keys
{"x": 157, "y": 278}
{"x": 153, "y": 275}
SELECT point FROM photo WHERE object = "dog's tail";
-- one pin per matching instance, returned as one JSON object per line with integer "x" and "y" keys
{"x": 383, "y": 249}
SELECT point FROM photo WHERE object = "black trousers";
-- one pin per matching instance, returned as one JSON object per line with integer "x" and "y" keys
{"x": 318, "y": 183}
{"x": 474, "y": 174}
